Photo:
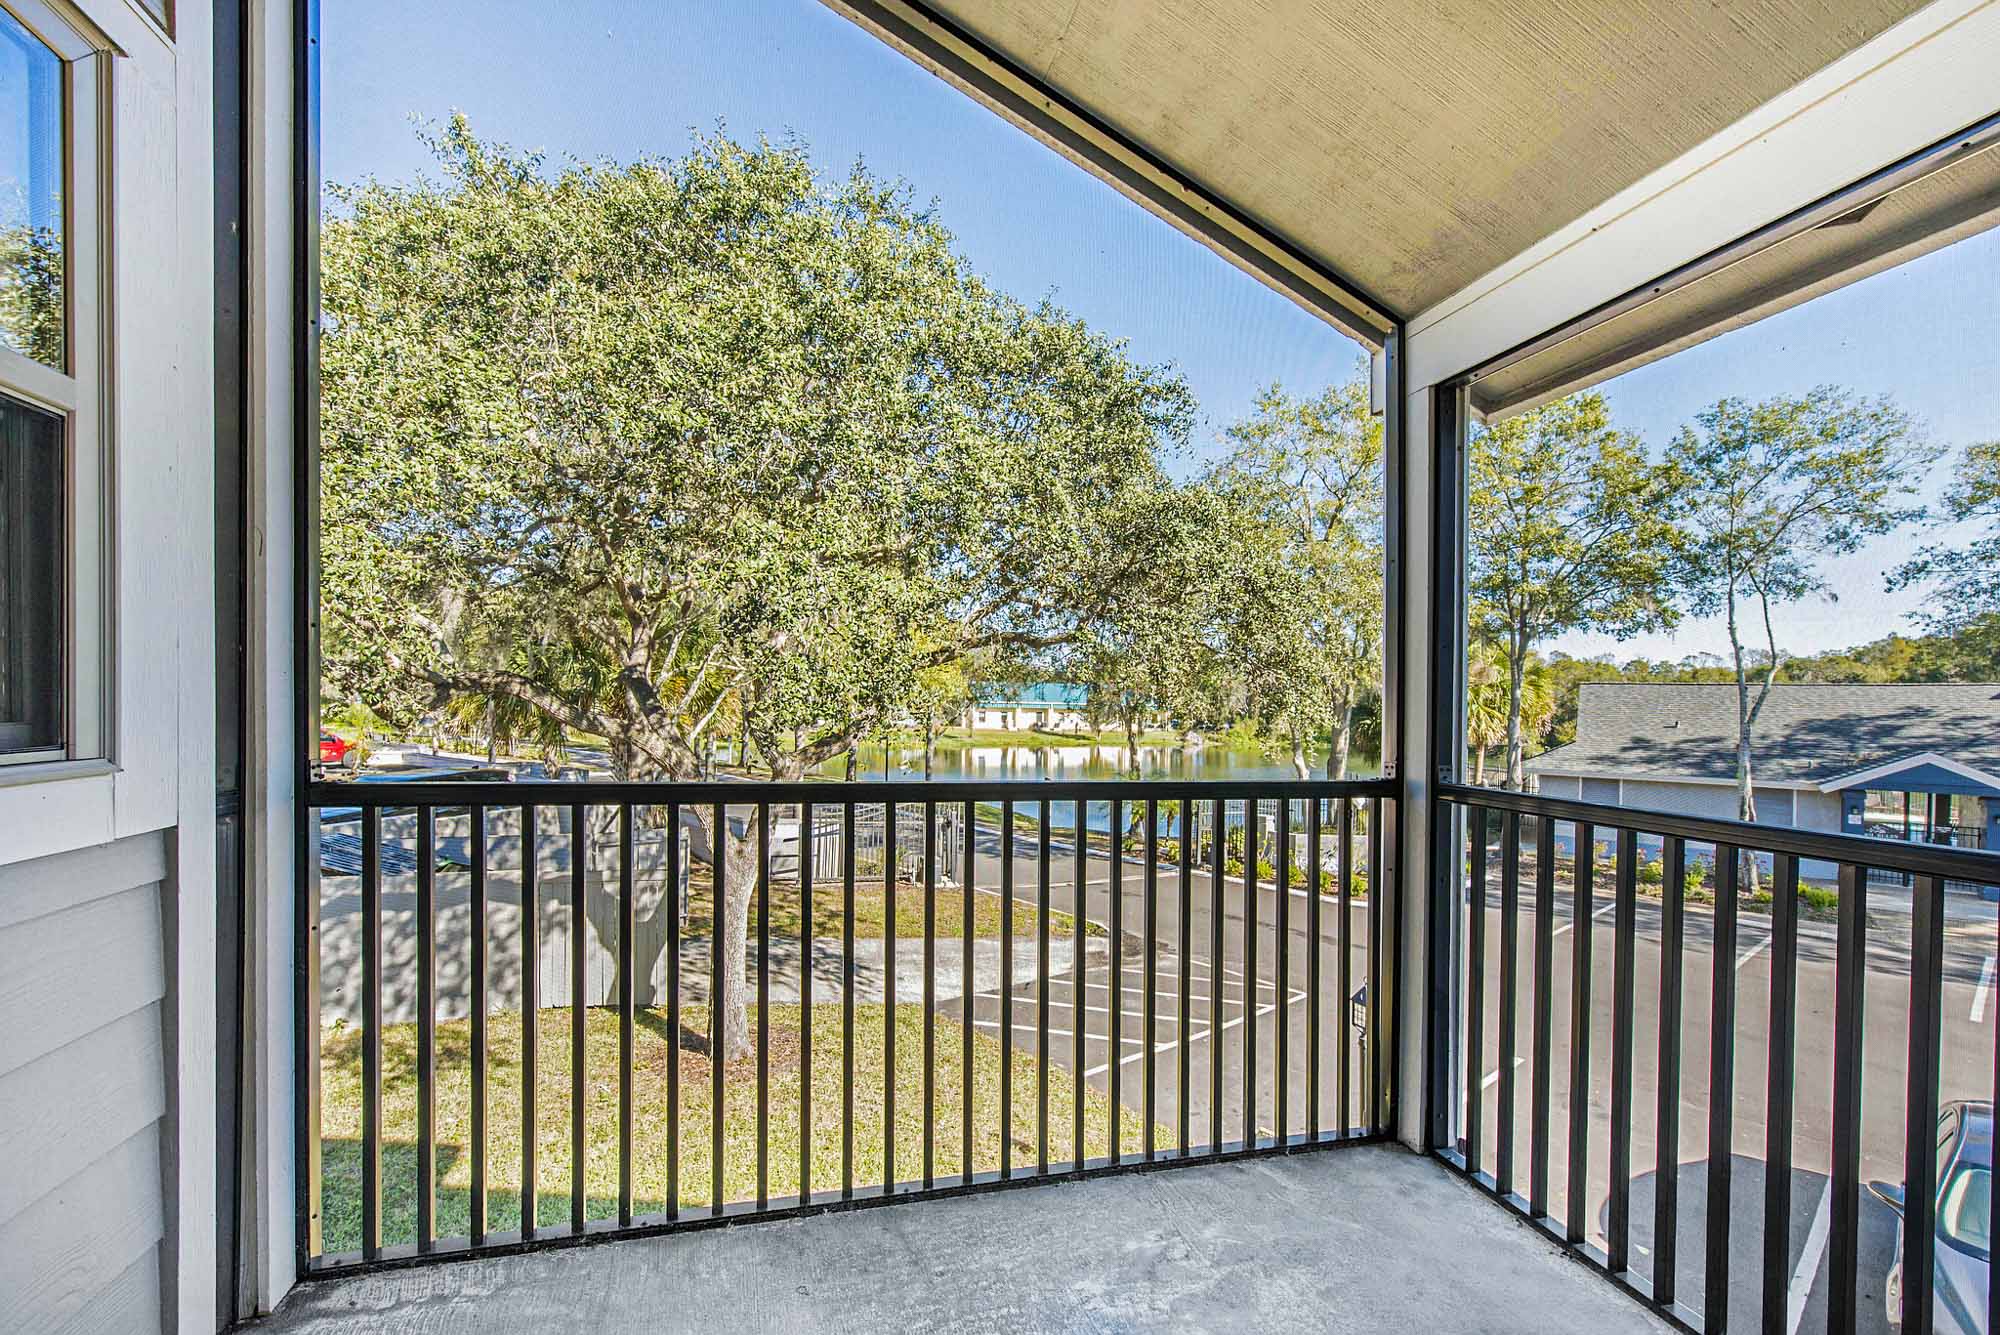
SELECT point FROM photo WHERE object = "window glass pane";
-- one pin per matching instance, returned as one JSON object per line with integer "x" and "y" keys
{"x": 31, "y": 578}
{"x": 1967, "y": 1211}
{"x": 31, "y": 195}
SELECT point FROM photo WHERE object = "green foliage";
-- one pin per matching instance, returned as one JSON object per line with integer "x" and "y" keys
{"x": 1304, "y": 488}
{"x": 1651, "y": 871}
{"x": 1769, "y": 490}
{"x": 680, "y": 448}
{"x": 1568, "y": 532}
{"x": 31, "y": 292}
{"x": 1964, "y": 577}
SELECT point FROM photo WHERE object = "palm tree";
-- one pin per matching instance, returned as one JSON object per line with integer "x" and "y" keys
{"x": 1486, "y": 702}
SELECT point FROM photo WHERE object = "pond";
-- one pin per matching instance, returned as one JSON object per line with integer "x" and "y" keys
{"x": 1054, "y": 759}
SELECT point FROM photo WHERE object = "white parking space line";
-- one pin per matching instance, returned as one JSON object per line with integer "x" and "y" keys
{"x": 1030, "y": 1028}
{"x": 1572, "y": 922}
{"x": 1168, "y": 1045}
{"x": 1985, "y": 988}
{"x": 1493, "y": 1076}
{"x": 1802, "y": 1278}
{"x": 1753, "y": 952}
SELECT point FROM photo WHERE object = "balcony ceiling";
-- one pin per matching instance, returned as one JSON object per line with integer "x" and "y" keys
{"x": 1412, "y": 148}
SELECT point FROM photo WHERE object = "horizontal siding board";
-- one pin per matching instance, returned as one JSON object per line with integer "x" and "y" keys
{"x": 73, "y": 972}
{"x": 129, "y": 1303}
{"x": 64, "y": 881}
{"x": 62, "y": 1110}
{"x": 59, "y": 1255}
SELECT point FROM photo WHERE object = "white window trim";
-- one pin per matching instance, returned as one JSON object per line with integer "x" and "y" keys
{"x": 78, "y": 393}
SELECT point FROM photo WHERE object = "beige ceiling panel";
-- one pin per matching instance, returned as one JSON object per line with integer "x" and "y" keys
{"x": 1413, "y": 147}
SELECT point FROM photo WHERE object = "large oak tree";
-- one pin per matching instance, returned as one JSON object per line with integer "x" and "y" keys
{"x": 668, "y": 447}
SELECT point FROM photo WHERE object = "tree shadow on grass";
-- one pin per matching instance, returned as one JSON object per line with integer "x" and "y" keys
{"x": 340, "y": 1198}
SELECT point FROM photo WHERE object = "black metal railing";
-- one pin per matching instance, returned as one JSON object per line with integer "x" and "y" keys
{"x": 783, "y": 1027}
{"x": 1673, "y": 887}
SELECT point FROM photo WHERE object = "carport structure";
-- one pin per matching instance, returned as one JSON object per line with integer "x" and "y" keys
{"x": 1505, "y": 200}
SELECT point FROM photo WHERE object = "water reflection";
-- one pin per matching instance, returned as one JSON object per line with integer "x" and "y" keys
{"x": 1080, "y": 761}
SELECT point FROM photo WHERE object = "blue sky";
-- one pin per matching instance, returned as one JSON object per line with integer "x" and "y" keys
{"x": 641, "y": 78}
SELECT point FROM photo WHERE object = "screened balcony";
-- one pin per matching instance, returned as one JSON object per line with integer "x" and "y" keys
{"x": 1423, "y": 1046}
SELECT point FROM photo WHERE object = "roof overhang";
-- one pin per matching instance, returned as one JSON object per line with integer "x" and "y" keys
{"x": 1864, "y": 778}
{"x": 1371, "y": 161}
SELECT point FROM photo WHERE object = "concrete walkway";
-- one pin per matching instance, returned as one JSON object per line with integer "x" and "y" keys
{"x": 1353, "y": 1240}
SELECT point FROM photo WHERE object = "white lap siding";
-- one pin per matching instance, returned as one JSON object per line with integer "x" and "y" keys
{"x": 83, "y": 1088}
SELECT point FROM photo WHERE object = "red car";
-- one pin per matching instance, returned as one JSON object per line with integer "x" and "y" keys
{"x": 333, "y": 750}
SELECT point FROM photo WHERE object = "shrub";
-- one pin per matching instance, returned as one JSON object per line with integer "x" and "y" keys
{"x": 1819, "y": 897}
{"x": 1652, "y": 872}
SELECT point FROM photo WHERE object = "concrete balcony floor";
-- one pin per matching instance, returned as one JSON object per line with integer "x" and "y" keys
{"x": 1372, "y": 1239}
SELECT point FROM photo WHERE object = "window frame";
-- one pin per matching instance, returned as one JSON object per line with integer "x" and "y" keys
{"x": 76, "y": 392}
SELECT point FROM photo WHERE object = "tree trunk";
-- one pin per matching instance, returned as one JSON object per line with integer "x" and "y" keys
{"x": 853, "y": 762}
{"x": 1132, "y": 744}
{"x": 1478, "y": 766}
{"x": 1342, "y": 739}
{"x": 1746, "y": 791}
{"x": 729, "y": 1023}
{"x": 930, "y": 746}
{"x": 1517, "y": 671}
{"x": 1300, "y": 769}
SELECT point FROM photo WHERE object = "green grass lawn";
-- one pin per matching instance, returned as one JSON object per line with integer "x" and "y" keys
{"x": 341, "y": 1116}
{"x": 871, "y": 911}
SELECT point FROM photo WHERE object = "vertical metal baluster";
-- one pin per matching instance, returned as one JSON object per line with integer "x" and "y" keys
{"x": 1381, "y": 1039}
{"x": 1281, "y": 961}
{"x": 930, "y": 993}
{"x": 1721, "y": 1091}
{"x": 578, "y": 1014}
{"x": 1077, "y": 993}
{"x": 1252, "y": 812}
{"x": 1148, "y": 1002}
{"x": 807, "y": 866}
{"x": 1344, "y": 970}
{"x": 426, "y": 1029}
{"x": 1779, "y": 1090}
{"x": 1510, "y": 945}
{"x": 1181, "y": 1058}
{"x": 1667, "y": 1143}
{"x": 628, "y": 992}
{"x": 1313, "y": 929}
{"x": 371, "y": 1037}
{"x": 476, "y": 985}
{"x": 1046, "y": 814}
{"x": 1618, "y": 1226}
{"x": 1583, "y": 876}
{"x": 1920, "y": 1184}
{"x": 847, "y": 1000}
{"x": 889, "y": 998}
{"x": 675, "y": 907}
{"x": 531, "y": 1004}
{"x": 1850, "y": 972}
{"x": 1544, "y": 1015}
{"x": 1007, "y": 988}
{"x": 718, "y": 1011}
{"x": 1475, "y": 989}
{"x": 763, "y": 1004}
{"x": 968, "y": 1000}
{"x": 1218, "y": 819}
{"x": 1116, "y": 1026}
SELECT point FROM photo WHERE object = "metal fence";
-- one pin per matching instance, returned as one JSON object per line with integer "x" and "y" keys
{"x": 1607, "y": 873}
{"x": 1202, "y": 998}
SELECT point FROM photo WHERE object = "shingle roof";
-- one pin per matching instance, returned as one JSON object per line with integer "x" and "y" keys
{"x": 1806, "y": 732}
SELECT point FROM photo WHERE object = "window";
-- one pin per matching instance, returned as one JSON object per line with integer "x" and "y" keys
{"x": 51, "y": 470}
{"x": 31, "y": 195}
{"x": 1967, "y": 1211}
{"x": 31, "y": 578}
